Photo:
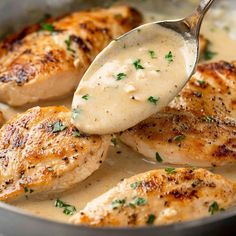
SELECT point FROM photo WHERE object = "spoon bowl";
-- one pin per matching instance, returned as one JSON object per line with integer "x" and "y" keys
{"x": 138, "y": 74}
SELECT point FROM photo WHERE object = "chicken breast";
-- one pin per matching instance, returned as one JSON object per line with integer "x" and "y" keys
{"x": 1, "y": 119}
{"x": 198, "y": 128}
{"x": 159, "y": 197}
{"x": 47, "y": 60}
{"x": 42, "y": 153}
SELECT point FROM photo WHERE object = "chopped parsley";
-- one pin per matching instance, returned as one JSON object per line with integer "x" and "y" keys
{"x": 158, "y": 157}
{"x": 151, "y": 219}
{"x": 177, "y": 97}
{"x": 27, "y": 190}
{"x": 58, "y": 127}
{"x": 179, "y": 138}
{"x": 76, "y": 133}
{"x": 75, "y": 113}
{"x": 170, "y": 170}
{"x": 153, "y": 100}
{"x": 208, "y": 119}
{"x": 158, "y": 70}
{"x": 135, "y": 184}
{"x": 208, "y": 54}
{"x": 169, "y": 57}
{"x": 121, "y": 76}
{"x": 68, "y": 43}
{"x": 117, "y": 203}
{"x": 114, "y": 141}
{"x": 47, "y": 27}
{"x": 140, "y": 201}
{"x": 68, "y": 209}
{"x": 201, "y": 82}
{"x": 132, "y": 205}
{"x": 85, "y": 97}
{"x": 214, "y": 207}
{"x": 152, "y": 54}
{"x": 137, "y": 65}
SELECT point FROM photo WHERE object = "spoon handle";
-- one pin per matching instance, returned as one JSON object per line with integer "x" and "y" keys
{"x": 194, "y": 21}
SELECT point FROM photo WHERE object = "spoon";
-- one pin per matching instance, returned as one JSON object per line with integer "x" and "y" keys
{"x": 138, "y": 74}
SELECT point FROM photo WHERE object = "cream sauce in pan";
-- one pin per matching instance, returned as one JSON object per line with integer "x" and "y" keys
{"x": 121, "y": 162}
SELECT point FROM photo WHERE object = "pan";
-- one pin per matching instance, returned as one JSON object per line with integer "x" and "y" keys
{"x": 14, "y": 221}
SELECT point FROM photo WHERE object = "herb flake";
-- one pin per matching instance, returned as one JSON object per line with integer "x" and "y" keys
{"x": 137, "y": 65}
{"x": 120, "y": 76}
{"x": 68, "y": 43}
{"x": 76, "y": 133}
{"x": 170, "y": 170}
{"x": 47, "y": 27}
{"x": 152, "y": 54}
{"x": 58, "y": 127}
{"x": 68, "y": 209}
{"x": 208, "y": 119}
{"x": 209, "y": 54}
{"x": 117, "y": 203}
{"x": 201, "y": 82}
{"x": 151, "y": 219}
{"x": 140, "y": 201}
{"x": 85, "y": 97}
{"x": 214, "y": 207}
{"x": 169, "y": 57}
{"x": 28, "y": 190}
{"x": 179, "y": 138}
{"x": 114, "y": 141}
{"x": 135, "y": 184}
{"x": 158, "y": 157}
{"x": 75, "y": 113}
{"x": 132, "y": 205}
{"x": 153, "y": 100}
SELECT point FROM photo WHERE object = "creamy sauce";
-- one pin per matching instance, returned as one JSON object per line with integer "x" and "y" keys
{"x": 122, "y": 162}
{"x": 135, "y": 77}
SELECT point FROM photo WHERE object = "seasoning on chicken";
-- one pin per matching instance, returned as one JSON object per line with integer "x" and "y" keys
{"x": 198, "y": 128}
{"x": 42, "y": 153}
{"x": 159, "y": 197}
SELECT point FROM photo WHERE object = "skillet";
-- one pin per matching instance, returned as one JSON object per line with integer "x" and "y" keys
{"x": 13, "y": 221}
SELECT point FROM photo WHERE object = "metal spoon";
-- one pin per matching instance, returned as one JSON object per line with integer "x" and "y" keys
{"x": 108, "y": 116}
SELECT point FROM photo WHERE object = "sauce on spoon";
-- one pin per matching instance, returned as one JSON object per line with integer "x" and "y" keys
{"x": 127, "y": 85}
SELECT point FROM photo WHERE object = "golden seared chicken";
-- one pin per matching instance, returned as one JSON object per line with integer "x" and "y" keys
{"x": 42, "y": 153}
{"x": 47, "y": 61}
{"x": 198, "y": 127}
{"x": 159, "y": 197}
{"x": 1, "y": 119}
